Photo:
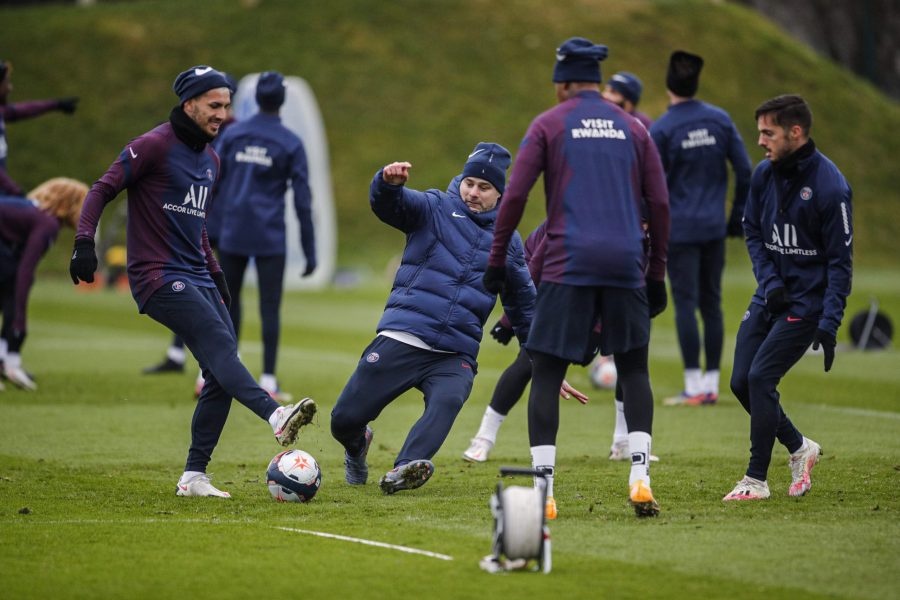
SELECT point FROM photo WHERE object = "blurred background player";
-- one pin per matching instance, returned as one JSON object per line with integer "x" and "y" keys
{"x": 260, "y": 158}
{"x": 175, "y": 279}
{"x": 16, "y": 112}
{"x": 799, "y": 230}
{"x": 601, "y": 171}
{"x": 624, "y": 90}
{"x": 175, "y": 354}
{"x": 27, "y": 230}
{"x": 696, "y": 140}
{"x": 430, "y": 332}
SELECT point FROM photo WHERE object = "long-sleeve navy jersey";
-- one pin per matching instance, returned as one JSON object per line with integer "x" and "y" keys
{"x": 800, "y": 236}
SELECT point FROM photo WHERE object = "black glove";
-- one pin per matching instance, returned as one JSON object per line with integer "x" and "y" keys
{"x": 777, "y": 301}
{"x": 84, "y": 261}
{"x": 828, "y": 342}
{"x": 310, "y": 267}
{"x": 67, "y": 105}
{"x": 502, "y": 333}
{"x": 494, "y": 279}
{"x": 735, "y": 227}
{"x": 219, "y": 279}
{"x": 657, "y": 297}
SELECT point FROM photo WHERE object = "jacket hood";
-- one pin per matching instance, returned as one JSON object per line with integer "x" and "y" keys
{"x": 484, "y": 219}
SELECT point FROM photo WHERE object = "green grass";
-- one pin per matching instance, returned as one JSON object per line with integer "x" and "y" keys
{"x": 94, "y": 454}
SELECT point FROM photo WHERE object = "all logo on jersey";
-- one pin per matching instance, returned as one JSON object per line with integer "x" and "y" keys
{"x": 806, "y": 193}
{"x": 784, "y": 241}
{"x": 194, "y": 203}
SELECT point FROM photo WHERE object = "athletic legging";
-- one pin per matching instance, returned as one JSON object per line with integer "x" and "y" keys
{"x": 512, "y": 384}
{"x": 270, "y": 276}
{"x": 547, "y": 377}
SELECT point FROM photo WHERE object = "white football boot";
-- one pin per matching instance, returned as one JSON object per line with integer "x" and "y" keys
{"x": 802, "y": 463}
{"x": 748, "y": 489}
{"x": 291, "y": 418}
{"x": 479, "y": 450}
{"x": 199, "y": 485}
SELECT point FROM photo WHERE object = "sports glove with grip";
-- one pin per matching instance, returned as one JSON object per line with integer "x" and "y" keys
{"x": 502, "y": 333}
{"x": 777, "y": 301}
{"x": 828, "y": 342}
{"x": 219, "y": 279}
{"x": 657, "y": 297}
{"x": 310, "y": 267}
{"x": 494, "y": 279}
{"x": 67, "y": 105}
{"x": 84, "y": 261}
{"x": 735, "y": 227}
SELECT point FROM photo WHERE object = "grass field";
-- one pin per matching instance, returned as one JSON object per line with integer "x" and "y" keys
{"x": 88, "y": 465}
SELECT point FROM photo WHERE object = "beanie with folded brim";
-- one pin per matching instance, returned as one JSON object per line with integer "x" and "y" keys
{"x": 683, "y": 76}
{"x": 578, "y": 59}
{"x": 197, "y": 81}
{"x": 489, "y": 161}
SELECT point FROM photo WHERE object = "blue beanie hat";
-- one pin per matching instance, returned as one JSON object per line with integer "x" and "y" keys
{"x": 198, "y": 80}
{"x": 579, "y": 59}
{"x": 628, "y": 85}
{"x": 270, "y": 90}
{"x": 232, "y": 83}
{"x": 489, "y": 162}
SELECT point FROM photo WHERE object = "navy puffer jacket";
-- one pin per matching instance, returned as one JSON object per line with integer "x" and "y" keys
{"x": 437, "y": 294}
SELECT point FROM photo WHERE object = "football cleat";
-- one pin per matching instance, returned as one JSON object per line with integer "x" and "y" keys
{"x": 619, "y": 451}
{"x": 166, "y": 366}
{"x": 291, "y": 418}
{"x": 685, "y": 399}
{"x": 19, "y": 377}
{"x": 407, "y": 477}
{"x": 550, "y": 512}
{"x": 802, "y": 463}
{"x": 641, "y": 498}
{"x": 479, "y": 450}
{"x": 748, "y": 489}
{"x": 199, "y": 485}
{"x": 356, "y": 470}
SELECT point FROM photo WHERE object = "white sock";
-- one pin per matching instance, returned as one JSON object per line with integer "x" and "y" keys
{"x": 13, "y": 360}
{"x": 176, "y": 354}
{"x": 188, "y": 475}
{"x": 490, "y": 424}
{"x": 693, "y": 382}
{"x": 639, "y": 444}
{"x": 268, "y": 382}
{"x": 273, "y": 418}
{"x": 200, "y": 380}
{"x": 4, "y": 348}
{"x": 621, "y": 430}
{"x": 544, "y": 458}
{"x": 802, "y": 447}
{"x": 711, "y": 382}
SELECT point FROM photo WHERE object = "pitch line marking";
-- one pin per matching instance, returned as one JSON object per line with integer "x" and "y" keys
{"x": 368, "y": 542}
{"x": 859, "y": 412}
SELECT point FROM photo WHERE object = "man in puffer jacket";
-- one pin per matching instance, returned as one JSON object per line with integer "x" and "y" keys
{"x": 429, "y": 335}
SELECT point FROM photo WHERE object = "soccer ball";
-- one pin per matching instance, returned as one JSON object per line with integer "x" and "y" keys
{"x": 294, "y": 476}
{"x": 603, "y": 373}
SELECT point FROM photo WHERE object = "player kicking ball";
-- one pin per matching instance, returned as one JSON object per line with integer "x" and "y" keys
{"x": 799, "y": 230}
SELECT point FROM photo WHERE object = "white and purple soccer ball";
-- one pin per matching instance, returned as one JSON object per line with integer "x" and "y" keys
{"x": 603, "y": 373}
{"x": 294, "y": 476}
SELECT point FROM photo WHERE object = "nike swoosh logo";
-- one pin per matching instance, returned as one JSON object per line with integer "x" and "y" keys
{"x": 479, "y": 151}
{"x": 199, "y": 72}
{"x": 457, "y": 215}
{"x": 793, "y": 319}
{"x": 130, "y": 151}
{"x": 847, "y": 243}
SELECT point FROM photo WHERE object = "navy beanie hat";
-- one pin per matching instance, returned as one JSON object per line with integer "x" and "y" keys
{"x": 578, "y": 59}
{"x": 683, "y": 76}
{"x": 628, "y": 85}
{"x": 270, "y": 91}
{"x": 489, "y": 162}
{"x": 232, "y": 83}
{"x": 197, "y": 81}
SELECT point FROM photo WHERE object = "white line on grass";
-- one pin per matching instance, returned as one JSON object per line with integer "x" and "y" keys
{"x": 368, "y": 543}
{"x": 859, "y": 412}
